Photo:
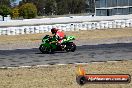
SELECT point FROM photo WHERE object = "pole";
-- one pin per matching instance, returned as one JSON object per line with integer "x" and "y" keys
{"x": 117, "y": 6}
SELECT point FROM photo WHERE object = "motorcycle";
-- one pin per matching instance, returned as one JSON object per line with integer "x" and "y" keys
{"x": 48, "y": 46}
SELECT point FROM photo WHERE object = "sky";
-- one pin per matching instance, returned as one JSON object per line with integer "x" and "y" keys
{"x": 17, "y": 1}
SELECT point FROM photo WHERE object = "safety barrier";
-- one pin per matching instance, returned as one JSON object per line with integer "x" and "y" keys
{"x": 66, "y": 27}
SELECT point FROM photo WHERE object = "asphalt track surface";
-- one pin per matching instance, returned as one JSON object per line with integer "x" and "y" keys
{"x": 83, "y": 54}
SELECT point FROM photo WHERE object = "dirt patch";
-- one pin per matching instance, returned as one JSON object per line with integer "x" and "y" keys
{"x": 102, "y": 34}
{"x": 61, "y": 76}
{"x": 80, "y": 35}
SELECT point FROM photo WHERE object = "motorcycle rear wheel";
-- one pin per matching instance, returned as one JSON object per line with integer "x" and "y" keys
{"x": 73, "y": 48}
{"x": 70, "y": 47}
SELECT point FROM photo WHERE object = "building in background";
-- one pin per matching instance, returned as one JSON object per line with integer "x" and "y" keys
{"x": 113, "y": 7}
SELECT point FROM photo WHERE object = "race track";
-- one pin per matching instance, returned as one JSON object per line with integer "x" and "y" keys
{"x": 83, "y": 54}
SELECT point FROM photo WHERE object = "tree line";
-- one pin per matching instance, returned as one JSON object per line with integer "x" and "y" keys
{"x": 32, "y": 8}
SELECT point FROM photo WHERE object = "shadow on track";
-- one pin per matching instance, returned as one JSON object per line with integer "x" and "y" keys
{"x": 53, "y": 53}
{"x": 115, "y": 45}
{"x": 79, "y": 48}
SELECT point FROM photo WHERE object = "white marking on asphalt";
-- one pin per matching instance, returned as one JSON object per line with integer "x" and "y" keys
{"x": 98, "y": 62}
{"x": 62, "y": 64}
{"x": 25, "y": 66}
{"x": 43, "y": 65}
{"x": 112, "y": 61}
{"x": 3, "y": 67}
{"x": 81, "y": 63}
{"x": 116, "y": 61}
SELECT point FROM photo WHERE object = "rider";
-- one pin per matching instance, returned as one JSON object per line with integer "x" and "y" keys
{"x": 58, "y": 34}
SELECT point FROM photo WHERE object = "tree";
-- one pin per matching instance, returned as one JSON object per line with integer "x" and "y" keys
{"x": 13, "y": 0}
{"x": 15, "y": 12}
{"x": 50, "y": 7}
{"x": 5, "y": 2}
{"x": 81, "y": 6}
{"x": 70, "y": 6}
{"x": 28, "y": 10}
{"x": 4, "y": 11}
{"x": 40, "y": 5}
{"x": 76, "y": 6}
{"x": 62, "y": 7}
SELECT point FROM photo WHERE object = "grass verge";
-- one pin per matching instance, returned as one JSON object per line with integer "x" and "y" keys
{"x": 80, "y": 35}
{"x": 61, "y": 76}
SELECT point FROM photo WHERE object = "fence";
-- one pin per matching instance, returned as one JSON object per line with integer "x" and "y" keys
{"x": 66, "y": 27}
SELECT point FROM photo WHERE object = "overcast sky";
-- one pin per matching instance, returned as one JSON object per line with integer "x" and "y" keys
{"x": 17, "y": 1}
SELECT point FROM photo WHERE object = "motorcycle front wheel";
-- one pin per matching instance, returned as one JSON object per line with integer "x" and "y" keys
{"x": 43, "y": 49}
{"x": 46, "y": 50}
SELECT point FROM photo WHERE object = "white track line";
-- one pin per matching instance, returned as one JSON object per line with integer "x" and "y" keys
{"x": 62, "y": 64}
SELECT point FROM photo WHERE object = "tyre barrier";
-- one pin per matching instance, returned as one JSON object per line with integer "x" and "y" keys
{"x": 66, "y": 27}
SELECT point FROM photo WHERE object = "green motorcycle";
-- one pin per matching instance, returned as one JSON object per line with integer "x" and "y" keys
{"x": 49, "y": 46}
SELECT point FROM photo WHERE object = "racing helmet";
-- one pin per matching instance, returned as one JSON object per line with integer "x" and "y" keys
{"x": 54, "y": 30}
